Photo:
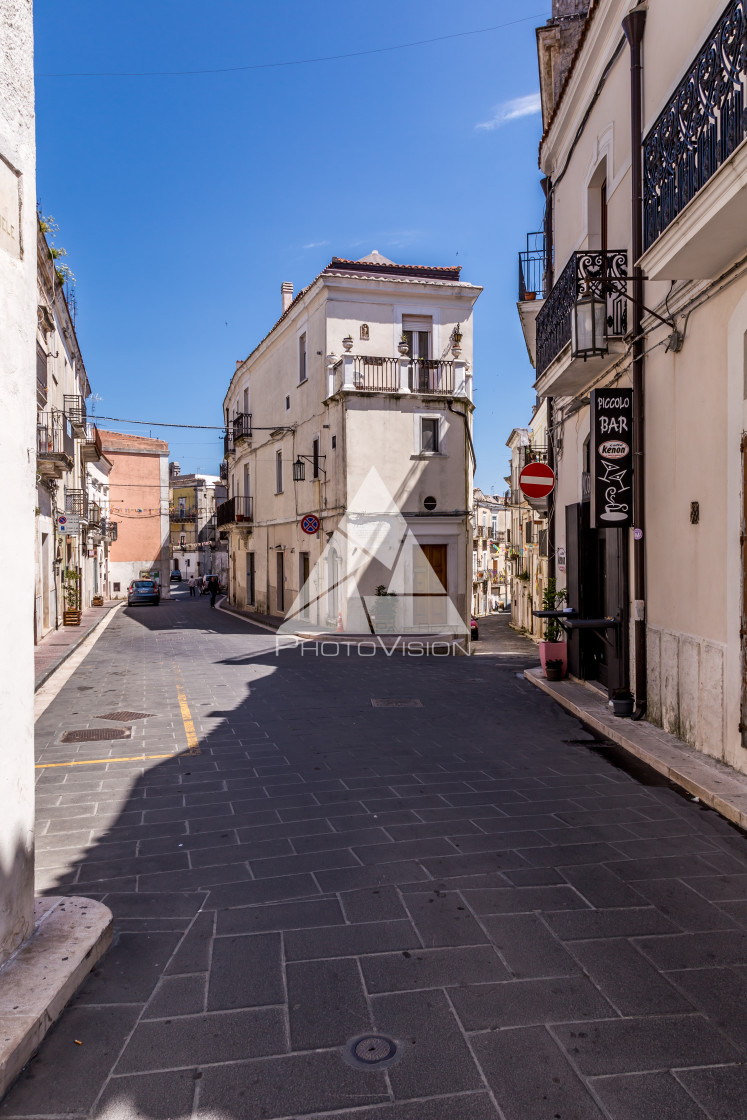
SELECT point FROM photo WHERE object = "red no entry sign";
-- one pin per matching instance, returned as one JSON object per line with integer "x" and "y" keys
{"x": 310, "y": 524}
{"x": 537, "y": 480}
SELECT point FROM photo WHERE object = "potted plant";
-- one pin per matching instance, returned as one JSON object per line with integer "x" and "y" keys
{"x": 622, "y": 702}
{"x": 403, "y": 346}
{"x": 71, "y": 613}
{"x": 554, "y": 669}
{"x": 553, "y": 648}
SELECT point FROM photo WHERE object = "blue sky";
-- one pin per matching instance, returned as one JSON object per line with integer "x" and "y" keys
{"x": 183, "y": 202}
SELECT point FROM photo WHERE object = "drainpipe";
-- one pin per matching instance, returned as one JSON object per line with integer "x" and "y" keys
{"x": 633, "y": 26}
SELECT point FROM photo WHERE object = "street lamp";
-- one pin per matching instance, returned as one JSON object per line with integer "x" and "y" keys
{"x": 589, "y": 327}
{"x": 299, "y": 470}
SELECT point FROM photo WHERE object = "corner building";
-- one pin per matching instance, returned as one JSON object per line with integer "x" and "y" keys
{"x": 368, "y": 366}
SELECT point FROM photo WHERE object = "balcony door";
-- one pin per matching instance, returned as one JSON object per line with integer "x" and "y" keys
{"x": 417, "y": 333}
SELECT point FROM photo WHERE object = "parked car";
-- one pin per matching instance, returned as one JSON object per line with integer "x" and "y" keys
{"x": 143, "y": 591}
{"x": 176, "y": 576}
{"x": 474, "y": 630}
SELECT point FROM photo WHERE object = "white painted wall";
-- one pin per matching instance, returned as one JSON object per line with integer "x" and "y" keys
{"x": 18, "y": 466}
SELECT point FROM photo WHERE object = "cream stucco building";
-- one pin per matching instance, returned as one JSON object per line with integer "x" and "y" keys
{"x": 639, "y": 282}
{"x": 369, "y": 366}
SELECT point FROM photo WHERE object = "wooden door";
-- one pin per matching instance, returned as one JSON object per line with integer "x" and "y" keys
{"x": 430, "y": 583}
{"x": 303, "y": 576}
{"x": 280, "y": 581}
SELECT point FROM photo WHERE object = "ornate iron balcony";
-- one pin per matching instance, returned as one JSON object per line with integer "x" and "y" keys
{"x": 188, "y": 513}
{"x": 702, "y": 125}
{"x": 75, "y": 410}
{"x": 428, "y": 375}
{"x": 76, "y": 502}
{"x": 228, "y": 447}
{"x": 592, "y": 271}
{"x": 242, "y": 426}
{"x": 376, "y": 374}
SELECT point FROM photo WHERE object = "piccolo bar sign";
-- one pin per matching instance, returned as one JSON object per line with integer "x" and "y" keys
{"x": 612, "y": 458}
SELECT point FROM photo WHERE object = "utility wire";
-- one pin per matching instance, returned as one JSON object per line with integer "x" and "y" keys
{"x": 291, "y": 62}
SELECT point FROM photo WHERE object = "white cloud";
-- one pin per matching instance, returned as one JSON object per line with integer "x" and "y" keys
{"x": 512, "y": 110}
{"x": 315, "y": 244}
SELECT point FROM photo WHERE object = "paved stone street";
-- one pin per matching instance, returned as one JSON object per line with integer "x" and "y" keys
{"x": 544, "y": 936}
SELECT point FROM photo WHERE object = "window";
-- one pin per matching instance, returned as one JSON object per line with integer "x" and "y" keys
{"x": 302, "y": 358}
{"x": 182, "y": 505}
{"x": 279, "y": 472}
{"x": 250, "y": 579}
{"x": 287, "y": 404}
{"x": 280, "y": 578}
{"x": 247, "y": 482}
{"x": 246, "y": 401}
{"x": 334, "y": 442}
{"x": 417, "y": 332}
{"x": 528, "y": 526}
{"x": 429, "y": 434}
{"x": 315, "y": 457}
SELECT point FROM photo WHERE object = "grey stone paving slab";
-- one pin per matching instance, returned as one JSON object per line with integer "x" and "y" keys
{"x": 193, "y": 953}
{"x": 472, "y": 1106}
{"x": 326, "y": 1003}
{"x": 519, "y": 1003}
{"x": 722, "y": 995}
{"x": 246, "y": 971}
{"x": 432, "y": 968}
{"x": 191, "y": 1040}
{"x": 350, "y": 940}
{"x": 631, "y": 984}
{"x": 528, "y": 947}
{"x": 636, "y": 1045}
{"x": 286, "y": 1086}
{"x": 442, "y": 918}
{"x": 511, "y": 1060}
{"x": 523, "y": 900}
{"x": 178, "y": 995}
{"x": 373, "y": 904}
{"x": 590, "y": 924}
{"x": 721, "y": 1092}
{"x": 637, "y": 1096}
{"x": 159, "y": 1096}
{"x": 280, "y": 916}
{"x": 692, "y": 950}
{"x": 436, "y": 1058}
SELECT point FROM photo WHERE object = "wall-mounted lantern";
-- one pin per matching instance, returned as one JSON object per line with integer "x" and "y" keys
{"x": 589, "y": 327}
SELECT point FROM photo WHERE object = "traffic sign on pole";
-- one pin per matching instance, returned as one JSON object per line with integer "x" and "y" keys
{"x": 537, "y": 480}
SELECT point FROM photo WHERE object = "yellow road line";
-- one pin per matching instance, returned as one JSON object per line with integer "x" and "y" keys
{"x": 91, "y": 761}
{"x": 193, "y": 743}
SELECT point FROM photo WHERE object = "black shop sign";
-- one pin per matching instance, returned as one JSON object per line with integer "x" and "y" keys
{"x": 611, "y": 458}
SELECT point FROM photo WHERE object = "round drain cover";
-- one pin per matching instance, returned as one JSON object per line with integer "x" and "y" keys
{"x": 371, "y": 1050}
{"x": 374, "y": 1049}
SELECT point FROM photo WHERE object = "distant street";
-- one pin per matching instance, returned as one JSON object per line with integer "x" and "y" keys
{"x": 293, "y": 868}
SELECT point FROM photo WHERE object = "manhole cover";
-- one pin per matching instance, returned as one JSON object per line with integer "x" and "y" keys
{"x": 396, "y": 704}
{"x": 372, "y": 1051}
{"x": 95, "y": 734}
{"x": 124, "y": 717}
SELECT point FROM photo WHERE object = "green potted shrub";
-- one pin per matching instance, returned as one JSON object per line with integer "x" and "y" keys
{"x": 554, "y": 647}
{"x": 622, "y": 702}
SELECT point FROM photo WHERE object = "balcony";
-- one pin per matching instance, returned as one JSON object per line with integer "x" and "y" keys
{"x": 695, "y": 163}
{"x": 91, "y": 449}
{"x": 379, "y": 374}
{"x": 183, "y": 514}
{"x": 94, "y": 515}
{"x": 242, "y": 427}
{"x": 228, "y": 447}
{"x": 236, "y": 511}
{"x": 532, "y": 266}
{"x": 604, "y": 274}
{"x": 224, "y": 471}
{"x": 55, "y": 447}
{"x": 75, "y": 410}
{"x": 76, "y": 503}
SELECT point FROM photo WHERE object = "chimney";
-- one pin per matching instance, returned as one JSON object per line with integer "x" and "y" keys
{"x": 286, "y": 294}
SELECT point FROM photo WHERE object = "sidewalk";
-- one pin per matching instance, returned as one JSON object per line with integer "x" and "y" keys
{"x": 717, "y": 785}
{"x": 57, "y": 646}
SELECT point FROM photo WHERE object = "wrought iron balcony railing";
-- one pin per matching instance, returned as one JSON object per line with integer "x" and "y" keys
{"x": 532, "y": 264}
{"x": 586, "y": 272}
{"x": 428, "y": 375}
{"x": 376, "y": 374}
{"x": 187, "y": 513}
{"x": 75, "y": 410}
{"x": 236, "y": 510}
{"x": 228, "y": 447}
{"x": 242, "y": 426}
{"x": 54, "y": 438}
{"x": 703, "y": 123}
{"x": 76, "y": 502}
{"x": 92, "y": 448}
{"x": 224, "y": 471}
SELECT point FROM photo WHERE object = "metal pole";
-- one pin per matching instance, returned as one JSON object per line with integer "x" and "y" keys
{"x": 633, "y": 26}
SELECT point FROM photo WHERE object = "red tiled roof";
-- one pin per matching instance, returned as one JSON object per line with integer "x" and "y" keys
{"x": 593, "y": 8}
{"x": 422, "y": 271}
{"x": 123, "y": 441}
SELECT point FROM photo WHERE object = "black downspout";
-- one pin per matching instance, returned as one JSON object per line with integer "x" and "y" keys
{"x": 633, "y": 26}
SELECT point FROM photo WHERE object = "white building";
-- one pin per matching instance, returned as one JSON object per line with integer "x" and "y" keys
{"x": 529, "y": 520}
{"x": 644, "y": 154}
{"x": 491, "y": 519}
{"x": 196, "y": 545}
{"x": 370, "y": 366}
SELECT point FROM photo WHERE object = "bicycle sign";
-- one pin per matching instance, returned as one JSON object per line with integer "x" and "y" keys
{"x": 310, "y": 524}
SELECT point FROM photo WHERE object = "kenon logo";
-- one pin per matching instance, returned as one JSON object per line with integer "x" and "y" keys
{"x": 613, "y": 449}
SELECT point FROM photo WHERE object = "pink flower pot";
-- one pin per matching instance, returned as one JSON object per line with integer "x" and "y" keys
{"x": 554, "y": 651}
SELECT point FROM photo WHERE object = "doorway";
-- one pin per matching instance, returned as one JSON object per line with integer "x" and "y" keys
{"x": 280, "y": 582}
{"x": 303, "y": 580}
{"x": 430, "y": 582}
{"x": 250, "y": 579}
{"x": 743, "y": 721}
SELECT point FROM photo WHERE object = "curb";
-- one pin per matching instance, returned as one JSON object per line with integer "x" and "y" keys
{"x": 45, "y": 674}
{"x": 717, "y": 785}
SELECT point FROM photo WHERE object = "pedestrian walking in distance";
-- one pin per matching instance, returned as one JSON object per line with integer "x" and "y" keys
{"x": 213, "y": 591}
{"x": 192, "y": 586}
